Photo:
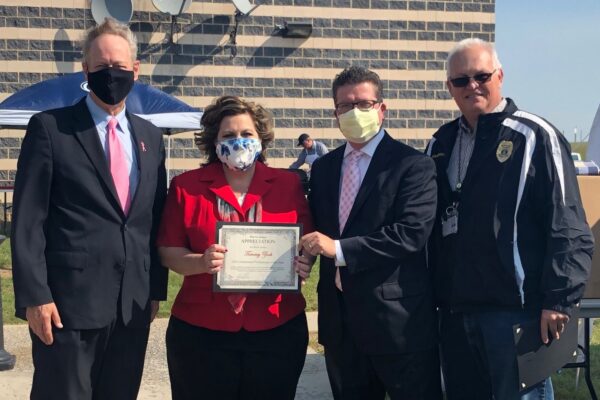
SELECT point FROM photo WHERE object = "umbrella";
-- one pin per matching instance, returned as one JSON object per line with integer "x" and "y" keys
{"x": 160, "y": 108}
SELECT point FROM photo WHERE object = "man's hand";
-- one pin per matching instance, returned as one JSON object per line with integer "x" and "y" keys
{"x": 41, "y": 318}
{"x": 554, "y": 322}
{"x": 316, "y": 243}
{"x": 212, "y": 259}
{"x": 303, "y": 265}
{"x": 154, "y": 306}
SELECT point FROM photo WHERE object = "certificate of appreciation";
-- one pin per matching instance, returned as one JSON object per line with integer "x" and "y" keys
{"x": 259, "y": 258}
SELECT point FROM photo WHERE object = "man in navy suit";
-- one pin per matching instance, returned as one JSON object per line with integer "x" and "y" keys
{"x": 373, "y": 201}
{"x": 88, "y": 195}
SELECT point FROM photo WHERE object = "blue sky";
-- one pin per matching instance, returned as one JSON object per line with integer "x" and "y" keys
{"x": 550, "y": 53}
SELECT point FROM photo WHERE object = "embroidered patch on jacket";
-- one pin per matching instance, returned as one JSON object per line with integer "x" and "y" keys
{"x": 504, "y": 150}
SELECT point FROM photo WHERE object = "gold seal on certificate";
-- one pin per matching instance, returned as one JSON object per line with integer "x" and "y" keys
{"x": 259, "y": 258}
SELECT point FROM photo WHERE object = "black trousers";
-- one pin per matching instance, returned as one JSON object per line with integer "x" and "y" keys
{"x": 207, "y": 364}
{"x": 98, "y": 364}
{"x": 354, "y": 375}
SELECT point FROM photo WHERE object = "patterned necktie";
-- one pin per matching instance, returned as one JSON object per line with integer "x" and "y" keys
{"x": 350, "y": 186}
{"x": 118, "y": 165}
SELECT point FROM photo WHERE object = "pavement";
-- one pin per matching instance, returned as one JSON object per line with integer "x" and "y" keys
{"x": 16, "y": 383}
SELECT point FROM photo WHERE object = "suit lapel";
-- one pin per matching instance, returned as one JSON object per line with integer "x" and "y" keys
{"x": 259, "y": 186}
{"x": 221, "y": 188}
{"x": 381, "y": 159}
{"x": 335, "y": 173}
{"x": 217, "y": 183}
{"x": 138, "y": 136}
{"x": 87, "y": 135}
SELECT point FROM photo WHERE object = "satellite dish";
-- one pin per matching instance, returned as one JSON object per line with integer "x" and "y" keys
{"x": 244, "y": 7}
{"x": 121, "y": 10}
{"x": 172, "y": 7}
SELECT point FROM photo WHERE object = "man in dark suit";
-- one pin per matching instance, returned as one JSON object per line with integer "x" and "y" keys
{"x": 88, "y": 195}
{"x": 373, "y": 202}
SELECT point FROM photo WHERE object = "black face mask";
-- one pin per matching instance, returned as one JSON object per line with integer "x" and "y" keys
{"x": 111, "y": 85}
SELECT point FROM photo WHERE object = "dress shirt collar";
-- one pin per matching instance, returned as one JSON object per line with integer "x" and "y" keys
{"x": 370, "y": 147}
{"x": 101, "y": 117}
{"x": 466, "y": 129}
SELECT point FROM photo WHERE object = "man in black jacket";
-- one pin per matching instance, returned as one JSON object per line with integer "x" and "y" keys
{"x": 510, "y": 242}
{"x": 89, "y": 191}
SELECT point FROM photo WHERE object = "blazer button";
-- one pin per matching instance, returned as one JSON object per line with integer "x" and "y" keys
{"x": 124, "y": 228}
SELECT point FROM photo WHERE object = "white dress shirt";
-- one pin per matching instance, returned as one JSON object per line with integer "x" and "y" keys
{"x": 124, "y": 135}
{"x": 363, "y": 165}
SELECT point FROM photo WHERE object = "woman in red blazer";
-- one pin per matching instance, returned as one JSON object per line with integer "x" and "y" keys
{"x": 223, "y": 345}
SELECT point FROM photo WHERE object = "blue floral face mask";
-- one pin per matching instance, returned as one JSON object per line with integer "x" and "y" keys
{"x": 239, "y": 154}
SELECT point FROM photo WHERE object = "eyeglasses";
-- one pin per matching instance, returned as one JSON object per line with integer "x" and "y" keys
{"x": 479, "y": 78}
{"x": 363, "y": 105}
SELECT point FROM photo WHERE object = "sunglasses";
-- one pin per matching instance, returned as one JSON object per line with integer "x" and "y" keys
{"x": 479, "y": 78}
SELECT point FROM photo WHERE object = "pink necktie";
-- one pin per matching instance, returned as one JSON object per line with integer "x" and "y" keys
{"x": 350, "y": 186}
{"x": 118, "y": 166}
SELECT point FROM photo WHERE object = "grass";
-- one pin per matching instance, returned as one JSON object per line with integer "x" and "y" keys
{"x": 8, "y": 298}
{"x": 6, "y": 288}
{"x": 579, "y": 147}
{"x": 5, "y": 254}
{"x": 309, "y": 289}
{"x": 175, "y": 281}
{"x": 313, "y": 341}
{"x": 564, "y": 380}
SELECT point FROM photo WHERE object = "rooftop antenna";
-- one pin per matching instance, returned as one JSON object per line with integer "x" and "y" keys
{"x": 243, "y": 9}
{"x": 174, "y": 8}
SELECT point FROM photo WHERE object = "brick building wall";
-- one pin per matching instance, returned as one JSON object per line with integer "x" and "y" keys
{"x": 406, "y": 42}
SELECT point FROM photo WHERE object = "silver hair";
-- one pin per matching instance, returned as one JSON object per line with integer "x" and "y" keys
{"x": 110, "y": 26}
{"x": 472, "y": 42}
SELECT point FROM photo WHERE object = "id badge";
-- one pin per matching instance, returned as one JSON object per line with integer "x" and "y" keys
{"x": 450, "y": 221}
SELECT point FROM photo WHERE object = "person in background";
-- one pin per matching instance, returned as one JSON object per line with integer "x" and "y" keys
{"x": 374, "y": 202}
{"x": 89, "y": 192}
{"x": 311, "y": 152}
{"x": 232, "y": 345}
{"x": 510, "y": 243}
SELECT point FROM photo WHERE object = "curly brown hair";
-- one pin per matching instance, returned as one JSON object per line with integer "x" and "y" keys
{"x": 226, "y": 106}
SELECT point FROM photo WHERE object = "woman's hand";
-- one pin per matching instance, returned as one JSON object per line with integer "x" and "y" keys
{"x": 212, "y": 259}
{"x": 303, "y": 265}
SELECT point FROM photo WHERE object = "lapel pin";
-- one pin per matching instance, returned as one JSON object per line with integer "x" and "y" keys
{"x": 143, "y": 146}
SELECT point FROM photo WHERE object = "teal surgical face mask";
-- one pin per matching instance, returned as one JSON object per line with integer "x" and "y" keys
{"x": 359, "y": 126}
